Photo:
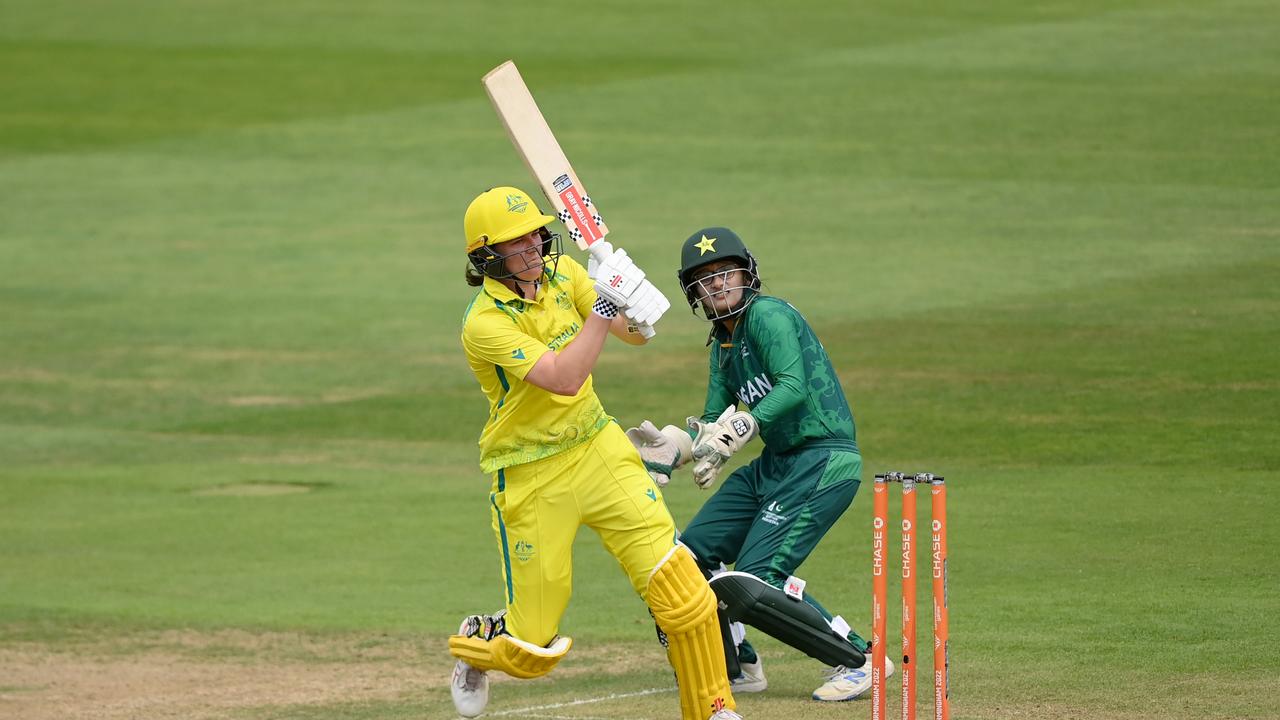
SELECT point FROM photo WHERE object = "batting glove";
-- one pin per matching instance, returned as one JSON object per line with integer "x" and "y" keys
{"x": 717, "y": 441}
{"x": 646, "y": 304}
{"x": 618, "y": 278}
{"x": 661, "y": 450}
{"x": 602, "y": 249}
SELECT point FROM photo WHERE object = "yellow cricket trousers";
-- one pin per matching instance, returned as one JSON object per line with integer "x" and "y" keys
{"x": 538, "y": 507}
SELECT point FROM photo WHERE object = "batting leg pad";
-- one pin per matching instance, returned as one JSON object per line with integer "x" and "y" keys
{"x": 511, "y": 655}
{"x": 748, "y": 599}
{"x": 685, "y": 608}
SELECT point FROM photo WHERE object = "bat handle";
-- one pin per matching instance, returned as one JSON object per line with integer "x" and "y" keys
{"x": 600, "y": 251}
{"x": 646, "y": 331}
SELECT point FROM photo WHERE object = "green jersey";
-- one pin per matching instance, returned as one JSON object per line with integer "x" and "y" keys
{"x": 774, "y": 364}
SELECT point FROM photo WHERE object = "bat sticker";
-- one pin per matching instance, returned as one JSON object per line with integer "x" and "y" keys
{"x": 581, "y": 218}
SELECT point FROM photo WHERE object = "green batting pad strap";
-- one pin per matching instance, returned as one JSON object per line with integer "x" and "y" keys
{"x": 748, "y": 599}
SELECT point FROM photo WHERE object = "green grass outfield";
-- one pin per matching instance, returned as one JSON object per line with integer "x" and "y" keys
{"x": 237, "y": 436}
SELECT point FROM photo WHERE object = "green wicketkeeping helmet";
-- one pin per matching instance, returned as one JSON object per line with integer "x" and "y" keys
{"x": 710, "y": 245}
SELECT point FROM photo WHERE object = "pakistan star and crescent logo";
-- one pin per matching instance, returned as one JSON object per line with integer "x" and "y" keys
{"x": 706, "y": 245}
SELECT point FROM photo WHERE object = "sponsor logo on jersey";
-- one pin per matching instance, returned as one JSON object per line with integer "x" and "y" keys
{"x": 772, "y": 514}
{"x": 517, "y": 354}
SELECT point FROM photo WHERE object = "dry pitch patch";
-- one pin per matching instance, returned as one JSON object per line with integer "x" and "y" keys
{"x": 222, "y": 675}
{"x": 232, "y": 675}
{"x": 184, "y": 674}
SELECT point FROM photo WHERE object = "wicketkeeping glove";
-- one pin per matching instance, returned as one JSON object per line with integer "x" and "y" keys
{"x": 661, "y": 450}
{"x": 717, "y": 441}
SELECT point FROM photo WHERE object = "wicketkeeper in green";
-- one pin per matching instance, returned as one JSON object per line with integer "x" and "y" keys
{"x": 769, "y": 376}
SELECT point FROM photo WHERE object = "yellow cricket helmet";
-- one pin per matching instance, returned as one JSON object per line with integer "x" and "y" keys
{"x": 501, "y": 214}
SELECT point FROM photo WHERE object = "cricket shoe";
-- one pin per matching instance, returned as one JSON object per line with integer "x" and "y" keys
{"x": 848, "y": 683}
{"x": 751, "y": 680}
{"x": 725, "y": 714}
{"x": 470, "y": 689}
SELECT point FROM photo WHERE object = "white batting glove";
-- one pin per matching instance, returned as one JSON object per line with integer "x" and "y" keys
{"x": 603, "y": 249}
{"x": 717, "y": 441}
{"x": 646, "y": 304}
{"x": 617, "y": 278}
{"x": 661, "y": 450}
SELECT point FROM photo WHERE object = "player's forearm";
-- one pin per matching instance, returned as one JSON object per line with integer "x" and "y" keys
{"x": 718, "y": 397}
{"x": 788, "y": 391}
{"x": 626, "y": 331}
{"x": 569, "y": 368}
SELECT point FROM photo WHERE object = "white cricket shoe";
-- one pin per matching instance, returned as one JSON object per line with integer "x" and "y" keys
{"x": 470, "y": 689}
{"x": 725, "y": 714}
{"x": 848, "y": 683}
{"x": 751, "y": 680}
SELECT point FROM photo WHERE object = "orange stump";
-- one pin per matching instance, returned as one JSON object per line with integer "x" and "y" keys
{"x": 941, "y": 656}
{"x": 908, "y": 598}
{"x": 879, "y": 596}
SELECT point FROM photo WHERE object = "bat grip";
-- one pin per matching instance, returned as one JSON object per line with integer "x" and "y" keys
{"x": 647, "y": 331}
{"x": 600, "y": 250}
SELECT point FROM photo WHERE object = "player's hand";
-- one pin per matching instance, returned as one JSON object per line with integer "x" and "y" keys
{"x": 617, "y": 277}
{"x": 717, "y": 441}
{"x": 661, "y": 450}
{"x": 601, "y": 249}
{"x": 646, "y": 304}
{"x": 622, "y": 283}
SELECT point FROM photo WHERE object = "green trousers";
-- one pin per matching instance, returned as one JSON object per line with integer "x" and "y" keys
{"x": 768, "y": 515}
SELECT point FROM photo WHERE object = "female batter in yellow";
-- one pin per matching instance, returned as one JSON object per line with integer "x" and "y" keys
{"x": 558, "y": 461}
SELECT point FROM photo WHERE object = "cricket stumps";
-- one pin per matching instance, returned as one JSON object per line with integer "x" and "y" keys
{"x": 880, "y": 591}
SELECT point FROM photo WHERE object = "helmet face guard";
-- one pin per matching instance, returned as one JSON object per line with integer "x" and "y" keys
{"x": 493, "y": 264}
{"x": 723, "y": 294}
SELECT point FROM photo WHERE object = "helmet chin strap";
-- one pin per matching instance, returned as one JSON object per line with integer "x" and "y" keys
{"x": 518, "y": 285}
{"x": 520, "y": 288}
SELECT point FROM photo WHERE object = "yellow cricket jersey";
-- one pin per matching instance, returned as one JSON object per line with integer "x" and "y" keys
{"x": 503, "y": 336}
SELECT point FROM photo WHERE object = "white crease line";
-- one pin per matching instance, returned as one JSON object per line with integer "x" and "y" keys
{"x": 588, "y": 701}
{"x": 540, "y": 716}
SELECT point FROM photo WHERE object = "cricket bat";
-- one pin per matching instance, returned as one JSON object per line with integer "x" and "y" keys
{"x": 541, "y": 152}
